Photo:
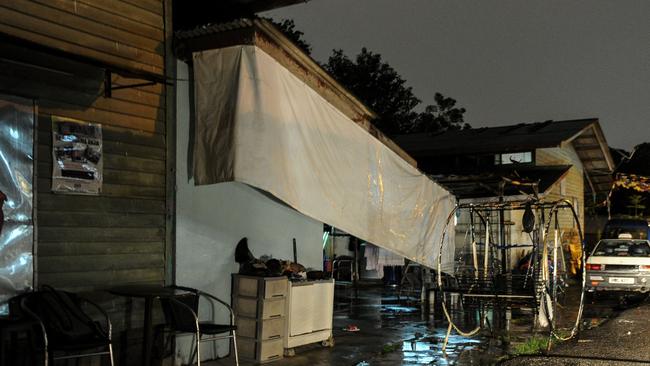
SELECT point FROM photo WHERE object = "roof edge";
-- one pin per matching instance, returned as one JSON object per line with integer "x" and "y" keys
{"x": 293, "y": 50}
{"x": 600, "y": 135}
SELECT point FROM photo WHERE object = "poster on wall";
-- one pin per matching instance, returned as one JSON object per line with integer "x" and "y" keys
{"x": 17, "y": 116}
{"x": 77, "y": 156}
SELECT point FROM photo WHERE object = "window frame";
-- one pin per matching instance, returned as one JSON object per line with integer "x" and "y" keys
{"x": 498, "y": 158}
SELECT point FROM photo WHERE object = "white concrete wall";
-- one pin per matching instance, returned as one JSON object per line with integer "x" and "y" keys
{"x": 211, "y": 219}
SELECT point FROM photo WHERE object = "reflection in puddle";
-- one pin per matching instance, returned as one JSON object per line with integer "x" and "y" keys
{"x": 396, "y": 331}
{"x": 428, "y": 349}
{"x": 396, "y": 309}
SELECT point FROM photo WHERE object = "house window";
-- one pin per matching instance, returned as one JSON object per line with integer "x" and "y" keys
{"x": 513, "y": 158}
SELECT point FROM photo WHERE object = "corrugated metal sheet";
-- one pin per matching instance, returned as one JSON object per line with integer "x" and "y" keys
{"x": 489, "y": 184}
{"x": 523, "y": 136}
{"x": 208, "y": 29}
{"x": 585, "y": 135}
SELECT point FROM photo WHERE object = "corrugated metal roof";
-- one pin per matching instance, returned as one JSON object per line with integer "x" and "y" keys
{"x": 489, "y": 184}
{"x": 585, "y": 135}
{"x": 208, "y": 29}
{"x": 520, "y": 137}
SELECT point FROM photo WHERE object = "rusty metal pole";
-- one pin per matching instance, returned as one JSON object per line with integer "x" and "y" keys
{"x": 502, "y": 230}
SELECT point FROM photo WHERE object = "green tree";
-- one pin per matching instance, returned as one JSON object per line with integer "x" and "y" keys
{"x": 288, "y": 27}
{"x": 442, "y": 116}
{"x": 380, "y": 87}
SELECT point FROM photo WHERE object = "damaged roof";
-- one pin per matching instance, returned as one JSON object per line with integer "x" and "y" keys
{"x": 512, "y": 182}
{"x": 638, "y": 163}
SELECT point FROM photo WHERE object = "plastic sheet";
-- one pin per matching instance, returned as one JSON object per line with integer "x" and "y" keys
{"x": 16, "y": 182}
{"x": 259, "y": 124}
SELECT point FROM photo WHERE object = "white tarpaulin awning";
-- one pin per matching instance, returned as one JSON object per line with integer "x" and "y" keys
{"x": 257, "y": 123}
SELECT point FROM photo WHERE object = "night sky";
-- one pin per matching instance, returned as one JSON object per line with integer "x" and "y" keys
{"x": 505, "y": 61}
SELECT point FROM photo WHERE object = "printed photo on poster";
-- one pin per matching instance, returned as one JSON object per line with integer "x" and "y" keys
{"x": 77, "y": 156}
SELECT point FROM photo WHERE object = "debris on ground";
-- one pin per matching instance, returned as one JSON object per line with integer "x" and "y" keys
{"x": 351, "y": 328}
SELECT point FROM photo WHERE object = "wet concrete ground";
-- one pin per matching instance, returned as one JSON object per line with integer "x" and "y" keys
{"x": 613, "y": 335}
{"x": 396, "y": 332}
{"x": 392, "y": 332}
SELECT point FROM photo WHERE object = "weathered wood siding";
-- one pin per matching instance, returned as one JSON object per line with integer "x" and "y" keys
{"x": 125, "y": 33}
{"x": 91, "y": 243}
{"x": 571, "y": 186}
{"x": 88, "y": 243}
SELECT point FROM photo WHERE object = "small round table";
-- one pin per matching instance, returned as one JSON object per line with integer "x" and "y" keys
{"x": 148, "y": 293}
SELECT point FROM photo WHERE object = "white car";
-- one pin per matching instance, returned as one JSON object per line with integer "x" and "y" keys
{"x": 619, "y": 265}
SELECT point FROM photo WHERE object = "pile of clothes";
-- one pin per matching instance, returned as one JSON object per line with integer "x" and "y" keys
{"x": 264, "y": 266}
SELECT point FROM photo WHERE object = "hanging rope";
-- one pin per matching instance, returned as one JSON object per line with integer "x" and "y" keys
{"x": 576, "y": 327}
{"x": 473, "y": 238}
{"x": 444, "y": 296}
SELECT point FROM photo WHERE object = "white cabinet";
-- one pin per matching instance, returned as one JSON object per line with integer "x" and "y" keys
{"x": 260, "y": 308}
{"x": 309, "y": 312}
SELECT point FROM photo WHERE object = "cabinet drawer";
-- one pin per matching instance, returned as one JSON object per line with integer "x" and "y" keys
{"x": 263, "y": 309}
{"x": 246, "y": 286}
{"x": 263, "y": 287}
{"x": 275, "y": 288}
{"x": 273, "y": 308}
{"x": 260, "y": 330}
{"x": 261, "y": 351}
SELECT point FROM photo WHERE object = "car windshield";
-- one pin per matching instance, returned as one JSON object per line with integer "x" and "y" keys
{"x": 623, "y": 248}
{"x": 612, "y": 231}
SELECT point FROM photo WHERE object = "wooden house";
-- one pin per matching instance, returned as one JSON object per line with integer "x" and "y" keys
{"x": 108, "y": 63}
{"x": 563, "y": 159}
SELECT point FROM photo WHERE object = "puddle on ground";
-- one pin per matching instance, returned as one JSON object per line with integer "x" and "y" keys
{"x": 419, "y": 335}
{"x": 428, "y": 349}
{"x": 397, "y": 309}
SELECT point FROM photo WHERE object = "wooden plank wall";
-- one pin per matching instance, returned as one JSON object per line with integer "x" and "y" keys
{"x": 573, "y": 185}
{"x": 128, "y": 33}
{"x": 90, "y": 243}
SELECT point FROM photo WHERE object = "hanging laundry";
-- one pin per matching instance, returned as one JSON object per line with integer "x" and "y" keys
{"x": 377, "y": 258}
{"x": 371, "y": 253}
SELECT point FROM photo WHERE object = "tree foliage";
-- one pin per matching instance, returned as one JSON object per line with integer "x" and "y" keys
{"x": 380, "y": 87}
{"x": 442, "y": 116}
{"x": 288, "y": 27}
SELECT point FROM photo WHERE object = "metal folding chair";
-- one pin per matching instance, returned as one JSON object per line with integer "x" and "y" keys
{"x": 181, "y": 314}
{"x": 67, "y": 329}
